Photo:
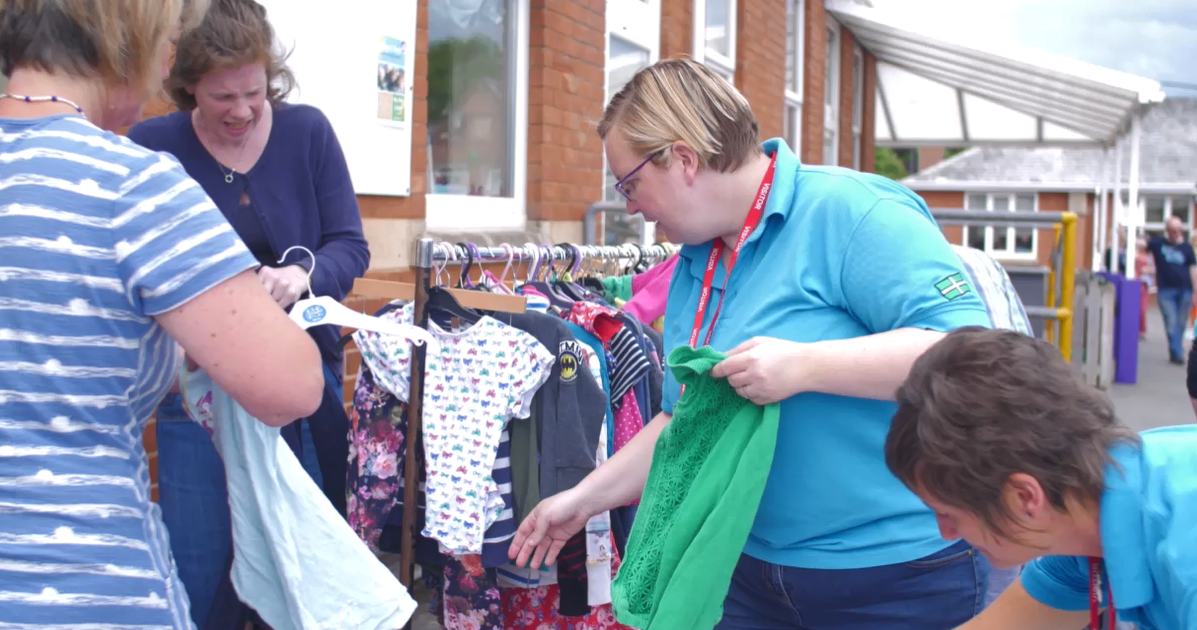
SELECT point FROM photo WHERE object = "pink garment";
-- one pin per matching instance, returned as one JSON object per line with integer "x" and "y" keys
{"x": 650, "y": 290}
{"x": 627, "y": 421}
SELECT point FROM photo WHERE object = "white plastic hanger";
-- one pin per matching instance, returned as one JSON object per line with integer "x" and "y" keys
{"x": 321, "y": 310}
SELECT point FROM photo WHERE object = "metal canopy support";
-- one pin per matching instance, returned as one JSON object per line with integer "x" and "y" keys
{"x": 1134, "y": 212}
{"x": 1101, "y": 212}
{"x": 1100, "y": 203}
{"x": 1116, "y": 219}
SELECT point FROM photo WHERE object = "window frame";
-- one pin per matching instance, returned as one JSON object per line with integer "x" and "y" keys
{"x": 1009, "y": 252}
{"x": 637, "y": 22}
{"x": 833, "y": 49}
{"x": 456, "y": 213}
{"x": 793, "y": 98}
{"x": 1169, "y": 210}
{"x": 725, "y": 65}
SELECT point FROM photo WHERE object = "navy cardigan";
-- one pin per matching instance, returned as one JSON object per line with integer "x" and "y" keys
{"x": 300, "y": 191}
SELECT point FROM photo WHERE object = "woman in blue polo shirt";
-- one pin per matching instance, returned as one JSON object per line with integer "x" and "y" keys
{"x": 849, "y": 279}
{"x": 1110, "y": 515}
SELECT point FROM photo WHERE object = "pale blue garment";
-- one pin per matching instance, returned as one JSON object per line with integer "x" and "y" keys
{"x": 997, "y": 291}
{"x": 296, "y": 561}
{"x": 1006, "y": 312}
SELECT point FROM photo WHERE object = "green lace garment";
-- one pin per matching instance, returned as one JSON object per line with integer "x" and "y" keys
{"x": 709, "y": 470}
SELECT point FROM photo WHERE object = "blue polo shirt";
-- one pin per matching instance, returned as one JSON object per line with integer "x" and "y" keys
{"x": 839, "y": 254}
{"x": 1148, "y": 536}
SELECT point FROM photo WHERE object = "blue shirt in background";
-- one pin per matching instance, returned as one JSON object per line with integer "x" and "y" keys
{"x": 839, "y": 254}
{"x": 1148, "y": 537}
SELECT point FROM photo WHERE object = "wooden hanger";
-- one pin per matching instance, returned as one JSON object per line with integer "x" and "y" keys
{"x": 479, "y": 300}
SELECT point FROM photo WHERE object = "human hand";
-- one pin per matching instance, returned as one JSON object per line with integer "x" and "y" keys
{"x": 547, "y": 528}
{"x": 284, "y": 284}
{"x": 764, "y": 370}
{"x": 1194, "y": 299}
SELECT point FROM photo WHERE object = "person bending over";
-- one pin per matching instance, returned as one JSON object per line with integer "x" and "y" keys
{"x": 997, "y": 433}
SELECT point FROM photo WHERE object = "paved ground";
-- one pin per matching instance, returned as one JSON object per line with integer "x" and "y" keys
{"x": 1159, "y": 397}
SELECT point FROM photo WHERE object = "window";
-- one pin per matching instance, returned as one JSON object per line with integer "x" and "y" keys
{"x": 1002, "y": 241}
{"x": 795, "y": 71}
{"x": 715, "y": 35}
{"x": 633, "y": 42}
{"x": 1157, "y": 209}
{"x": 831, "y": 95}
{"x": 477, "y": 115}
{"x": 857, "y": 105}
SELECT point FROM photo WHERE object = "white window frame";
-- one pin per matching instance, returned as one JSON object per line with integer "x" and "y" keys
{"x": 793, "y": 97}
{"x": 858, "y": 72}
{"x": 831, "y": 111}
{"x": 1169, "y": 210}
{"x": 724, "y": 65}
{"x": 456, "y": 213}
{"x": 637, "y": 22}
{"x": 991, "y": 200}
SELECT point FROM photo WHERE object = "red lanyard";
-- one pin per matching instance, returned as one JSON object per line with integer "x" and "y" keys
{"x": 1094, "y": 597}
{"x": 750, "y": 224}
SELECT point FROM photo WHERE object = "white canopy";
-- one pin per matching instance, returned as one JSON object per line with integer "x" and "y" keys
{"x": 935, "y": 92}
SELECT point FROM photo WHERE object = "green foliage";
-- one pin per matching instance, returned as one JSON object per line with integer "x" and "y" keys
{"x": 954, "y": 151}
{"x": 889, "y": 165}
{"x": 456, "y": 65}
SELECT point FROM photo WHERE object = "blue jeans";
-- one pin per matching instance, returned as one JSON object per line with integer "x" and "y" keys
{"x": 195, "y": 504}
{"x": 940, "y": 591}
{"x": 1174, "y": 306}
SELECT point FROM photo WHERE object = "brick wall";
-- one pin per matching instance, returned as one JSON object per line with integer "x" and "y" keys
{"x": 566, "y": 72}
{"x": 760, "y": 67}
{"x": 677, "y": 28}
{"x": 868, "y": 158}
{"x": 814, "y": 84}
{"x": 847, "y": 96}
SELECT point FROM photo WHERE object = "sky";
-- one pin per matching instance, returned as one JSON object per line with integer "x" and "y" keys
{"x": 1155, "y": 39}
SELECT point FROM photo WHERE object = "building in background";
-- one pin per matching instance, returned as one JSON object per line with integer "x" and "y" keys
{"x": 506, "y": 94}
{"x": 996, "y": 179}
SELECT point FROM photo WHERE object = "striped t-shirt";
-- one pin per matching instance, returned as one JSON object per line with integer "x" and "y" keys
{"x": 96, "y": 236}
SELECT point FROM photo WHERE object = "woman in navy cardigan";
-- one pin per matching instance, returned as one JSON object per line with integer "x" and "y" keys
{"x": 278, "y": 174}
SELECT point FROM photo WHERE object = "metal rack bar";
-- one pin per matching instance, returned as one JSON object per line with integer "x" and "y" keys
{"x": 461, "y": 252}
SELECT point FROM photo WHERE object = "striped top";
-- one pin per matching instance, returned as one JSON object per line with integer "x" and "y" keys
{"x": 96, "y": 235}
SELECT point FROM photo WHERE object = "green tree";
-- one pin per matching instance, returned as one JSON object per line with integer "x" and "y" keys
{"x": 457, "y": 64}
{"x": 889, "y": 165}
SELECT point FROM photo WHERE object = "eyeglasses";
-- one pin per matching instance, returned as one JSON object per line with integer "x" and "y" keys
{"x": 626, "y": 188}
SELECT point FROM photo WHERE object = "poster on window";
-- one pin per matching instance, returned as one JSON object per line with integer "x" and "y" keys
{"x": 357, "y": 67}
{"x": 392, "y": 81}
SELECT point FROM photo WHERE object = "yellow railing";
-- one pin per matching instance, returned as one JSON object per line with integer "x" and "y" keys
{"x": 1059, "y": 305}
{"x": 1064, "y": 235}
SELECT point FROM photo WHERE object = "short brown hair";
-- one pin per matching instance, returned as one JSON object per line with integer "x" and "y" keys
{"x": 680, "y": 99}
{"x": 981, "y": 405}
{"x": 233, "y": 33}
{"x": 116, "y": 41}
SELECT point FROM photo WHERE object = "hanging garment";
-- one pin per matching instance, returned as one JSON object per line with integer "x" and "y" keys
{"x": 296, "y": 561}
{"x": 650, "y": 290}
{"x": 708, "y": 474}
{"x": 475, "y": 381}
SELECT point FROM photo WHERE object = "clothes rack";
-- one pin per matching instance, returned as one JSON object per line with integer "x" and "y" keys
{"x": 428, "y": 254}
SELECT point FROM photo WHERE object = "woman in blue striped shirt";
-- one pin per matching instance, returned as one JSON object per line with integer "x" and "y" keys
{"x": 111, "y": 258}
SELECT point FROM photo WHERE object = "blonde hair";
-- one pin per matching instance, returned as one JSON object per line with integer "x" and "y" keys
{"x": 680, "y": 99}
{"x": 116, "y": 41}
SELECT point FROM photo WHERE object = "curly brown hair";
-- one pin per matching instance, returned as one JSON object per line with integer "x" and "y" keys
{"x": 981, "y": 405}
{"x": 233, "y": 33}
